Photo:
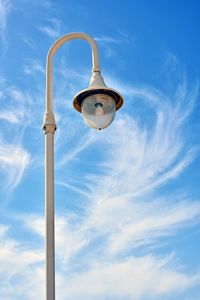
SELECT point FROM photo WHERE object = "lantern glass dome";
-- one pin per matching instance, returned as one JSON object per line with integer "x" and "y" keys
{"x": 98, "y": 110}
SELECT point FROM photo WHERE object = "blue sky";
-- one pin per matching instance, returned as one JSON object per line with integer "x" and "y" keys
{"x": 128, "y": 197}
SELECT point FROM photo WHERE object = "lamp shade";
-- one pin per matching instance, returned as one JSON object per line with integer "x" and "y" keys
{"x": 98, "y": 103}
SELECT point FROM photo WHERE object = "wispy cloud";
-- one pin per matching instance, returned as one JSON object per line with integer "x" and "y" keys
{"x": 107, "y": 39}
{"x": 15, "y": 104}
{"x": 5, "y": 7}
{"x": 82, "y": 144}
{"x": 14, "y": 113}
{"x": 109, "y": 42}
{"x": 11, "y": 117}
{"x": 46, "y": 3}
{"x": 89, "y": 272}
{"x": 133, "y": 278}
{"x": 34, "y": 67}
{"x": 52, "y": 28}
{"x": 14, "y": 116}
{"x": 21, "y": 270}
{"x": 14, "y": 161}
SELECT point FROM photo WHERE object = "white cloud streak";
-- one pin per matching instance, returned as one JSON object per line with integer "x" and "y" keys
{"x": 21, "y": 272}
{"x": 33, "y": 67}
{"x": 133, "y": 278}
{"x": 52, "y": 29}
{"x": 9, "y": 116}
{"x": 109, "y": 42}
{"x": 92, "y": 275}
{"x": 5, "y": 7}
{"x": 13, "y": 162}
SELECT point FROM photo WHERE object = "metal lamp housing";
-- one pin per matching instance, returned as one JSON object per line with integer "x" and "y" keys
{"x": 98, "y": 103}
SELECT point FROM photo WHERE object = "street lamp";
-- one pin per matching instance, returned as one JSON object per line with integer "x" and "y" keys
{"x": 98, "y": 104}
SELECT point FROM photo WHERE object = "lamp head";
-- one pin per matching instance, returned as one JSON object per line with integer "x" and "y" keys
{"x": 98, "y": 103}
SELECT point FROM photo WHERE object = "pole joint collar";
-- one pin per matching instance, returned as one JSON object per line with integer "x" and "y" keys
{"x": 49, "y": 124}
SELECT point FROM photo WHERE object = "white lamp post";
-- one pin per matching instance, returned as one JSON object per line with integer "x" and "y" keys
{"x": 98, "y": 104}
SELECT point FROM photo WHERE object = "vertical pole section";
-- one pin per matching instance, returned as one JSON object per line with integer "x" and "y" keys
{"x": 49, "y": 211}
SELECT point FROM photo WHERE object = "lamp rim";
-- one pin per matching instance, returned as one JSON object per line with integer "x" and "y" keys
{"x": 78, "y": 99}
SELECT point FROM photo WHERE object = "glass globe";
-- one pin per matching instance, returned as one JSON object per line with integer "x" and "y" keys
{"x": 98, "y": 110}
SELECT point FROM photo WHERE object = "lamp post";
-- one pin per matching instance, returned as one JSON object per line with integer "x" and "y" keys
{"x": 98, "y": 104}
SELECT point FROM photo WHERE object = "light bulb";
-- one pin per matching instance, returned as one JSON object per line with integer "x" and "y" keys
{"x": 98, "y": 110}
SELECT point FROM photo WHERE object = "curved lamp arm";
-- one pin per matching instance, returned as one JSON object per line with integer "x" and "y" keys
{"x": 96, "y": 86}
{"x": 49, "y": 67}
